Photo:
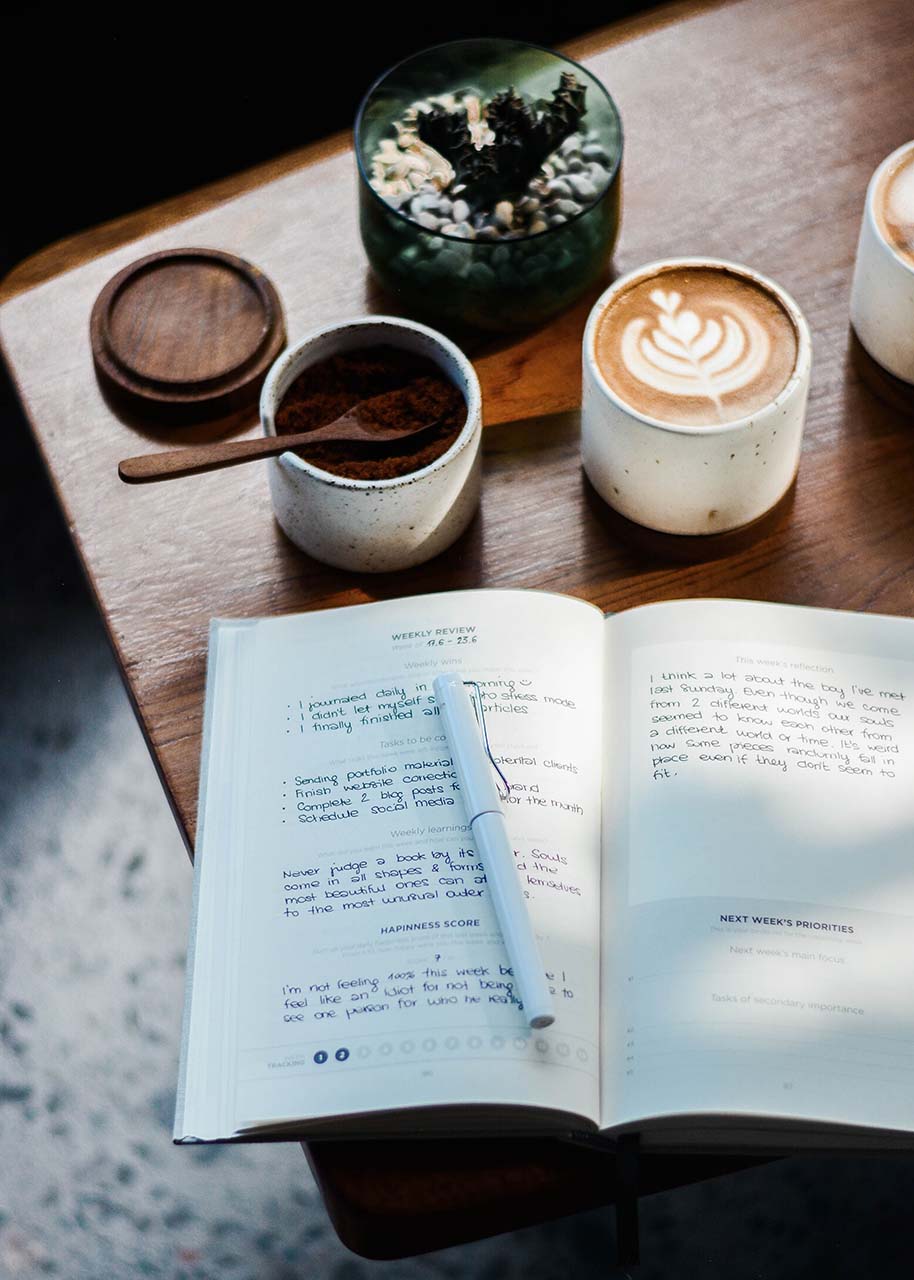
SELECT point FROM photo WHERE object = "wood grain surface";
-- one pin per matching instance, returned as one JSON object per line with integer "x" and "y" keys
{"x": 751, "y": 130}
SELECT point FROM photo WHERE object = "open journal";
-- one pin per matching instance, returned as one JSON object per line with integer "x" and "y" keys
{"x": 712, "y": 812}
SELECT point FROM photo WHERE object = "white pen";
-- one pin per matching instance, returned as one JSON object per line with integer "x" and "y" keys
{"x": 490, "y": 833}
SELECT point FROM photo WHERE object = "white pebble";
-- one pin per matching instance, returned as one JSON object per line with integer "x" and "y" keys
{"x": 504, "y": 213}
{"x": 460, "y": 211}
{"x": 598, "y": 175}
{"x": 423, "y": 203}
{"x": 427, "y": 220}
{"x": 560, "y": 187}
{"x": 582, "y": 187}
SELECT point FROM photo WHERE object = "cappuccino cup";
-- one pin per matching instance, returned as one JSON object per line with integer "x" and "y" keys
{"x": 695, "y": 381}
{"x": 882, "y": 295}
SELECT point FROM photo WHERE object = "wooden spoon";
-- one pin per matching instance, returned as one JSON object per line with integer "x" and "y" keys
{"x": 355, "y": 424}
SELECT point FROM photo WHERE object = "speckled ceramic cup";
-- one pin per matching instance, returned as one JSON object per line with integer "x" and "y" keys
{"x": 375, "y": 526}
{"x": 712, "y": 474}
{"x": 882, "y": 295}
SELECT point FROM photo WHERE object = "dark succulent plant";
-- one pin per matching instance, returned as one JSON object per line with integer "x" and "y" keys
{"x": 525, "y": 134}
{"x": 447, "y": 131}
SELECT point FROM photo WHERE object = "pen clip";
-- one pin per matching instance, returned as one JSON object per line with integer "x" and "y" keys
{"x": 479, "y": 710}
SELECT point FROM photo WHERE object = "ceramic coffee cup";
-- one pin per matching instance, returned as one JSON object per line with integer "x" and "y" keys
{"x": 375, "y": 525}
{"x": 882, "y": 295}
{"x": 695, "y": 381}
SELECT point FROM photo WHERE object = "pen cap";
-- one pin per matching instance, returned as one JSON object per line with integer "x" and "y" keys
{"x": 472, "y": 765}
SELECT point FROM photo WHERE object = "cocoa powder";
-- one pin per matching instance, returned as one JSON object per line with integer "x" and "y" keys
{"x": 329, "y": 388}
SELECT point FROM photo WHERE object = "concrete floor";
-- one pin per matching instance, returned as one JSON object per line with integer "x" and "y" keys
{"x": 94, "y": 897}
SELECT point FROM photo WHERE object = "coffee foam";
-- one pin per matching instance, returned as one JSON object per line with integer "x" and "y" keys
{"x": 696, "y": 345}
{"x": 894, "y": 206}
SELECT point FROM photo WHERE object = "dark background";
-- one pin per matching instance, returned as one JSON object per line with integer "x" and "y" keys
{"x": 108, "y": 108}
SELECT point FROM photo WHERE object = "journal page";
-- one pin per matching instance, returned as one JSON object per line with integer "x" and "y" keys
{"x": 759, "y": 876}
{"x": 359, "y": 965}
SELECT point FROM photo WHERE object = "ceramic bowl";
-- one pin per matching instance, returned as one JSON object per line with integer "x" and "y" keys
{"x": 375, "y": 526}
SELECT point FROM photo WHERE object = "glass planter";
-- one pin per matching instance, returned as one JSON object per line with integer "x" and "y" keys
{"x": 500, "y": 284}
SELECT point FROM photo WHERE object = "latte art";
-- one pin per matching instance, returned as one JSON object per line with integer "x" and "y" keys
{"x": 690, "y": 355}
{"x": 696, "y": 345}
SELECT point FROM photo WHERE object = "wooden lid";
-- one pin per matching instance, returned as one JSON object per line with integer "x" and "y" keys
{"x": 186, "y": 333}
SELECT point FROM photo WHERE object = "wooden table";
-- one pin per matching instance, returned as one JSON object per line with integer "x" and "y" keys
{"x": 751, "y": 130}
